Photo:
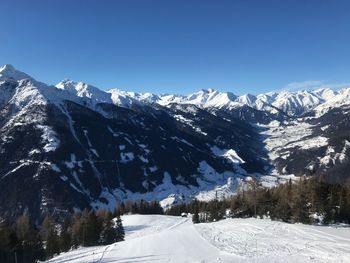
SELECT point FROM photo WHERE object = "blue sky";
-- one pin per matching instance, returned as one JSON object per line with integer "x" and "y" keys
{"x": 179, "y": 46}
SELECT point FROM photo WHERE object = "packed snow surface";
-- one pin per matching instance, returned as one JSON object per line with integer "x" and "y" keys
{"x": 156, "y": 238}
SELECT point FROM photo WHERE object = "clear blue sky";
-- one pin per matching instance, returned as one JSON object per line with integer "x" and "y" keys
{"x": 178, "y": 46}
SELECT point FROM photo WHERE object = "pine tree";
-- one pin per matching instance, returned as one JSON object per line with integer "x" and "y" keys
{"x": 8, "y": 242}
{"x": 120, "y": 209}
{"x": 282, "y": 209}
{"x": 65, "y": 239}
{"x": 120, "y": 230}
{"x": 90, "y": 228}
{"x": 30, "y": 247}
{"x": 77, "y": 232}
{"x": 195, "y": 218}
{"x": 300, "y": 202}
{"x": 108, "y": 233}
{"x": 49, "y": 235}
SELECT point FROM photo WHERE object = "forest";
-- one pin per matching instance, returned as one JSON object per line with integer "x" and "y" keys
{"x": 22, "y": 240}
{"x": 306, "y": 201}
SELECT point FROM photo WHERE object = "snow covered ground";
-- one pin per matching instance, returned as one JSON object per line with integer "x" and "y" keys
{"x": 155, "y": 238}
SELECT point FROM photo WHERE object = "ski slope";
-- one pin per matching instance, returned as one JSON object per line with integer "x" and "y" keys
{"x": 155, "y": 238}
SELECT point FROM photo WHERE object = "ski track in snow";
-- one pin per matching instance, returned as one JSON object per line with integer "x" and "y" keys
{"x": 155, "y": 238}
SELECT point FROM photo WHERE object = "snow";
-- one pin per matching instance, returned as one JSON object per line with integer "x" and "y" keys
{"x": 55, "y": 168}
{"x": 320, "y": 100}
{"x": 229, "y": 155}
{"x": 157, "y": 238}
{"x": 153, "y": 169}
{"x": 203, "y": 99}
{"x": 89, "y": 94}
{"x": 49, "y": 137}
{"x": 34, "y": 151}
{"x": 315, "y": 142}
{"x": 189, "y": 122}
{"x": 210, "y": 184}
{"x": 289, "y": 102}
{"x": 181, "y": 140}
{"x": 16, "y": 169}
{"x": 296, "y": 102}
{"x": 331, "y": 156}
{"x": 270, "y": 241}
{"x": 280, "y": 138}
{"x": 340, "y": 99}
{"x": 127, "y": 157}
{"x": 122, "y": 98}
{"x": 220, "y": 192}
{"x": 143, "y": 159}
{"x": 9, "y": 72}
{"x": 93, "y": 150}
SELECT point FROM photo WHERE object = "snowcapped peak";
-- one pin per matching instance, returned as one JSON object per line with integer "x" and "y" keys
{"x": 6, "y": 67}
{"x": 66, "y": 84}
{"x": 325, "y": 93}
{"x": 340, "y": 99}
{"x": 209, "y": 90}
{"x": 123, "y": 98}
{"x": 8, "y": 72}
{"x": 85, "y": 91}
{"x": 247, "y": 99}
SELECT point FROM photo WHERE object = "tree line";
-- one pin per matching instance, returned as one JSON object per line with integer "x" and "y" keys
{"x": 24, "y": 241}
{"x": 139, "y": 207}
{"x": 305, "y": 201}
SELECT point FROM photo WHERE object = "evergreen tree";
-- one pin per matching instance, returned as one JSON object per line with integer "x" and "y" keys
{"x": 90, "y": 228}
{"x": 282, "y": 208}
{"x": 120, "y": 209}
{"x": 300, "y": 203}
{"x": 195, "y": 218}
{"x": 119, "y": 229}
{"x": 8, "y": 242}
{"x": 65, "y": 239}
{"x": 108, "y": 233}
{"x": 49, "y": 235}
{"x": 77, "y": 233}
{"x": 30, "y": 247}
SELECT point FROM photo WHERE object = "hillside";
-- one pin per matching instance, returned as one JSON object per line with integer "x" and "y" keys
{"x": 72, "y": 146}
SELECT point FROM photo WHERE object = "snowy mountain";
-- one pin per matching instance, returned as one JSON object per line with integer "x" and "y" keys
{"x": 72, "y": 146}
{"x": 8, "y": 72}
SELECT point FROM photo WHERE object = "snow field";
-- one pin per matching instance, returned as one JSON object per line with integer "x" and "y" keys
{"x": 156, "y": 238}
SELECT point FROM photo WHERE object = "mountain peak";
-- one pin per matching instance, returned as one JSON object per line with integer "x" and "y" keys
{"x": 209, "y": 90}
{"x": 9, "y": 72}
{"x": 7, "y": 67}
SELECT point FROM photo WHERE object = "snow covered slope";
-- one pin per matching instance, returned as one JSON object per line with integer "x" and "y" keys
{"x": 155, "y": 238}
{"x": 9, "y": 72}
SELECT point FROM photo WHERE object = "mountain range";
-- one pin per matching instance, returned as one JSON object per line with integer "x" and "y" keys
{"x": 73, "y": 146}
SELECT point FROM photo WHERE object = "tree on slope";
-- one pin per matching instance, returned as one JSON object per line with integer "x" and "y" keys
{"x": 65, "y": 235}
{"x": 120, "y": 229}
{"x": 108, "y": 233}
{"x": 49, "y": 235}
{"x": 30, "y": 246}
{"x": 8, "y": 242}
